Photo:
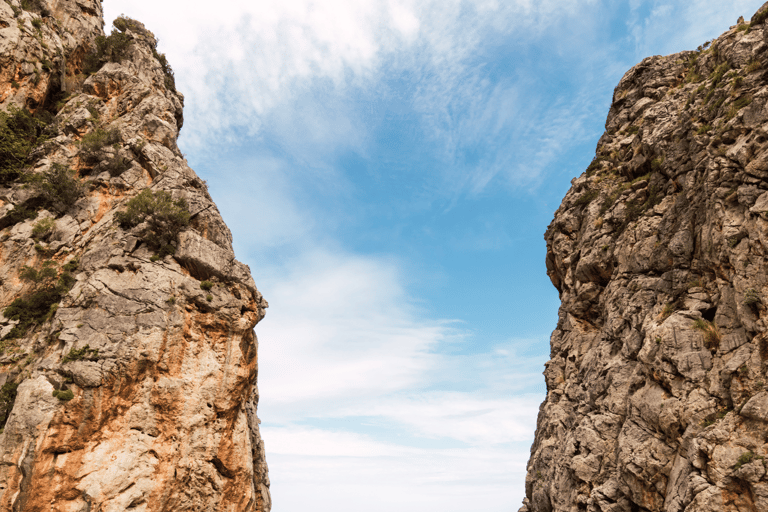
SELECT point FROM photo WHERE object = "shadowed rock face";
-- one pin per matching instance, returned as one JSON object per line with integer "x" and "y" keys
{"x": 137, "y": 391}
{"x": 657, "y": 397}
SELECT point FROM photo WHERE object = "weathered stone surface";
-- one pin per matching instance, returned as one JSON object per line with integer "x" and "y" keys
{"x": 656, "y": 386}
{"x": 155, "y": 378}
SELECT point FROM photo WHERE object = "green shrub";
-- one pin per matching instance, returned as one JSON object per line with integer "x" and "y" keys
{"x": 7, "y": 399}
{"x": 164, "y": 217}
{"x": 703, "y": 129}
{"x": 206, "y": 285}
{"x": 91, "y": 145}
{"x": 58, "y": 188}
{"x": 667, "y": 311}
{"x": 594, "y": 165}
{"x": 112, "y": 48}
{"x": 31, "y": 310}
{"x": 71, "y": 265}
{"x": 41, "y": 302}
{"x": 20, "y": 132}
{"x": 16, "y": 215}
{"x": 586, "y": 198}
{"x": 752, "y": 297}
{"x": 718, "y": 73}
{"x": 45, "y": 275}
{"x": 170, "y": 79}
{"x": 85, "y": 353}
{"x": 753, "y": 66}
{"x": 93, "y": 111}
{"x": 33, "y": 5}
{"x": 64, "y": 395}
{"x": 43, "y": 228}
{"x": 744, "y": 458}
{"x": 209, "y": 297}
{"x": 760, "y": 17}
{"x": 117, "y": 165}
{"x": 710, "y": 332}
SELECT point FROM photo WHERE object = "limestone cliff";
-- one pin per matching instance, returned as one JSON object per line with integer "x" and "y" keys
{"x": 656, "y": 387}
{"x": 128, "y": 358}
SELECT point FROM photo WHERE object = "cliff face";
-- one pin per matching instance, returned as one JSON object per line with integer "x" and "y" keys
{"x": 657, "y": 397}
{"x": 128, "y": 363}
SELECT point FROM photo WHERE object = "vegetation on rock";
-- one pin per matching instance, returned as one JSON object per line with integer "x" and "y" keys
{"x": 162, "y": 216}
{"x": 19, "y": 133}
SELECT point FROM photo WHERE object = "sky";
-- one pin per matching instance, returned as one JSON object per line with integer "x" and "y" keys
{"x": 388, "y": 169}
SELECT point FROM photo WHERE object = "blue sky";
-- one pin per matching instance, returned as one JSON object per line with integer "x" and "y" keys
{"x": 388, "y": 169}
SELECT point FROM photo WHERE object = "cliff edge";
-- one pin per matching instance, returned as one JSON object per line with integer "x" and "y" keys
{"x": 656, "y": 387}
{"x": 128, "y": 359}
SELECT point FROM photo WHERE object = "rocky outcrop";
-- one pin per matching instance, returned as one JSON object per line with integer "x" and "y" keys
{"x": 656, "y": 387}
{"x": 129, "y": 361}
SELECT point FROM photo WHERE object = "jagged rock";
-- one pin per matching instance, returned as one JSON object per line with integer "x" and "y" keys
{"x": 656, "y": 386}
{"x": 136, "y": 388}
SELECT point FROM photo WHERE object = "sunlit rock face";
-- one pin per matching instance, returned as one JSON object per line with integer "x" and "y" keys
{"x": 134, "y": 388}
{"x": 657, "y": 388}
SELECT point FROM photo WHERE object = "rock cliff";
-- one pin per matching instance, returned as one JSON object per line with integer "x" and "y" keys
{"x": 656, "y": 387}
{"x": 127, "y": 355}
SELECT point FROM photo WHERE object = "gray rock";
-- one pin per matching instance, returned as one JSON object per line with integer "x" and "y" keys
{"x": 658, "y": 327}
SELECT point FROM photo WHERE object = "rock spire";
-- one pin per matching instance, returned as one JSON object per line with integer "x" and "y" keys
{"x": 128, "y": 359}
{"x": 657, "y": 386}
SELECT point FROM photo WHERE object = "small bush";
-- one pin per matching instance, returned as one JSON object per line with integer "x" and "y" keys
{"x": 31, "y": 310}
{"x": 170, "y": 79}
{"x": 117, "y": 165}
{"x": 586, "y": 198}
{"x": 112, "y": 48}
{"x": 594, "y": 165}
{"x": 7, "y": 399}
{"x": 742, "y": 102}
{"x": 91, "y": 145}
{"x": 667, "y": 311}
{"x": 16, "y": 215}
{"x": 58, "y": 188}
{"x": 20, "y": 132}
{"x": 71, "y": 265}
{"x": 209, "y": 297}
{"x": 65, "y": 395}
{"x": 164, "y": 218}
{"x": 40, "y": 304}
{"x": 744, "y": 458}
{"x": 93, "y": 111}
{"x": 44, "y": 276}
{"x": 760, "y": 17}
{"x": 703, "y": 129}
{"x": 710, "y": 332}
{"x": 753, "y": 66}
{"x": 32, "y": 5}
{"x": 751, "y": 297}
{"x": 718, "y": 73}
{"x": 85, "y": 353}
{"x": 43, "y": 228}
{"x": 206, "y": 285}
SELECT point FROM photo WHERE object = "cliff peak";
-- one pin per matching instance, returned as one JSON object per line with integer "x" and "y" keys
{"x": 656, "y": 388}
{"x": 128, "y": 359}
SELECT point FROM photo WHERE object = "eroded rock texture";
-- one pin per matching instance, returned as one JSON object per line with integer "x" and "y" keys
{"x": 136, "y": 390}
{"x": 657, "y": 397}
